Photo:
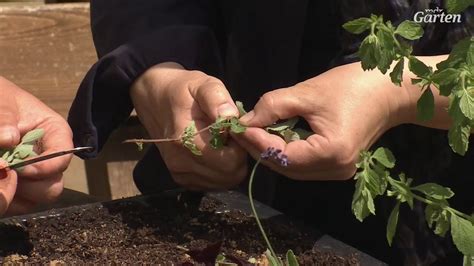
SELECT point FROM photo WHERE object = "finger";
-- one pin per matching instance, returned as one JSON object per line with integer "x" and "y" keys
{"x": 9, "y": 133}
{"x": 214, "y": 100}
{"x": 20, "y": 206}
{"x": 57, "y": 137}
{"x": 8, "y": 183}
{"x": 40, "y": 191}
{"x": 274, "y": 106}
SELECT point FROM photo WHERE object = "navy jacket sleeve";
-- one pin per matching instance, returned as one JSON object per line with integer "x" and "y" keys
{"x": 130, "y": 37}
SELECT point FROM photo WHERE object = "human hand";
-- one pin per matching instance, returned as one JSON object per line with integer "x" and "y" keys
{"x": 42, "y": 182}
{"x": 167, "y": 99}
{"x": 346, "y": 108}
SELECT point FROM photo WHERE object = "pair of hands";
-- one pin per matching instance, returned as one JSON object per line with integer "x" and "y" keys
{"x": 42, "y": 182}
{"x": 346, "y": 109}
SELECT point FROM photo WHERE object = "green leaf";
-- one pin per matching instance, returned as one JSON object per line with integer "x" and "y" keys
{"x": 291, "y": 258}
{"x": 468, "y": 260}
{"x": 240, "y": 107}
{"x": 362, "y": 201}
{"x": 302, "y": 133}
{"x": 288, "y": 124}
{"x": 236, "y": 127}
{"x": 437, "y": 219}
{"x": 32, "y": 136}
{"x": 392, "y": 223}
{"x": 458, "y": 136}
{"x": 23, "y": 150}
{"x": 271, "y": 259}
{"x": 375, "y": 181}
{"x": 457, "y": 6}
{"x": 435, "y": 191}
{"x": 188, "y": 138}
{"x": 418, "y": 67}
{"x": 458, "y": 54}
{"x": 425, "y": 105}
{"x": 445, "y": 80}
{"x": 387, "y": 54}
{"x": 397, "y": 73}
{"x": 385, "y": 157}
{"x": 358, "y": 26}
{"x": 409, "y": 30}
{"x": 466, "y": 104}
{"x": 290, "y": 135}
{"x": 369, "y": 52}
{"x": 462, "y": 232}
{"x": 401, "y": 189}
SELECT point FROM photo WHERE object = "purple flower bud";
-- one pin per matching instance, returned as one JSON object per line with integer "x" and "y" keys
{"x": 275, "y": 154}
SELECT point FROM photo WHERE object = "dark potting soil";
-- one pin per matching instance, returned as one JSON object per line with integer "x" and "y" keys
{"x": 169, "y": 231}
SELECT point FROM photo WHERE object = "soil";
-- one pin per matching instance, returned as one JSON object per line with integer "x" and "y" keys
{"x": 180, "y": 230}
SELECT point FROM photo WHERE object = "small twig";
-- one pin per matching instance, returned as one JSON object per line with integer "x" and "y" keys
{"x": 165, "y": 140}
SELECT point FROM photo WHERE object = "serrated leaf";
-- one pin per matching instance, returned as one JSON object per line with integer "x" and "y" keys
{"x": 357, "y": 26}
{"x": 458, "y": 54}
{"x": 466, "y": 103}
{"x": 385, "y": 157}
{"x": 375, "y": 182}
{"x": 397, "y": 73}
{"x": 236, "y": 127}
{"x": 458, "y": 136}
{"x": 457, "y": 6}
{"x": 437, "y": 219}
{"x": 392, "y": 223}
{"x": 291, "y": 258}
{"x": 418, "y": 67}
{"x": 32, "y": 136}
{"x": 435, "y": 191}
{"x": 369, "y": 53}
{"x": 187, "y": 139}
{"x": 288, "y": 124}
{"x": 240, "y": 107}
{"x": 409, "y": 30}
{"x": 462, "y": 232}
{"x": 425, "y": 105}
{"x": 445, "y": 80}
{"x": 360, "y": 201}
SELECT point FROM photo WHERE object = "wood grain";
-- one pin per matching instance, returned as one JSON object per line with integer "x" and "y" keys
{"x": 47, "y": 50}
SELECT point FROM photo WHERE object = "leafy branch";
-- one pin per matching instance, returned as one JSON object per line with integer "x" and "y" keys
{"x": 23, "y": 150}
{"x": 373, "y": 180}
{"x": 454, "y": 76}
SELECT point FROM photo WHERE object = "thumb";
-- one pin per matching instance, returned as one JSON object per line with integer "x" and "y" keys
{"x": 273, "y": 106}
{"x": 214, "y": 100}
{"x": 9, "y": 133}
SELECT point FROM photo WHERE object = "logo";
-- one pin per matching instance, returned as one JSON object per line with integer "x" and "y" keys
{"x": 436, "y": 15}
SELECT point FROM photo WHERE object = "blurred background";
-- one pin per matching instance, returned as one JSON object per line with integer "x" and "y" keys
{"x": 46, "y": 48}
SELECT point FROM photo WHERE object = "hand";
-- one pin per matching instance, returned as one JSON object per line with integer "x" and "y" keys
{"x": 42, "y": 182}
{"x": 167, "y": 99}
{"x": 346, "y": 108}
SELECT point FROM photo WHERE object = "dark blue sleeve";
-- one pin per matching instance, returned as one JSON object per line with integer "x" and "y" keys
{"x": 130, "y": 37}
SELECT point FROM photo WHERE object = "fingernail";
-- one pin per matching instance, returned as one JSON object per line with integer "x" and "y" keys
{"x": 245, "y": 120}
{"x": 226, "y": 110}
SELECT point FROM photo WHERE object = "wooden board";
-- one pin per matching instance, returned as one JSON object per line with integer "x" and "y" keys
{"x": 47, "y": 49}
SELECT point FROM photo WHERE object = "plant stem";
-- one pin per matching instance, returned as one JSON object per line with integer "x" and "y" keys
{"x": 260, "y": 227}
{"x": 453, "y": 211}
{"x": 165, "y": 139}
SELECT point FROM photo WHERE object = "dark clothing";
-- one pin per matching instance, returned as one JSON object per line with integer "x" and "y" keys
{"x": 254, "y": 47}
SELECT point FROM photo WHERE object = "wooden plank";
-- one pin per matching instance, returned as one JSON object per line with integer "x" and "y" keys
{"x": 47, "y": 50}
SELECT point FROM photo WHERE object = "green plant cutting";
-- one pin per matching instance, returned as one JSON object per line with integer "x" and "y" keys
{"x": 23, "y": 150}
{"x": 384, "y": 46}
{"x": 454, "y": 78}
